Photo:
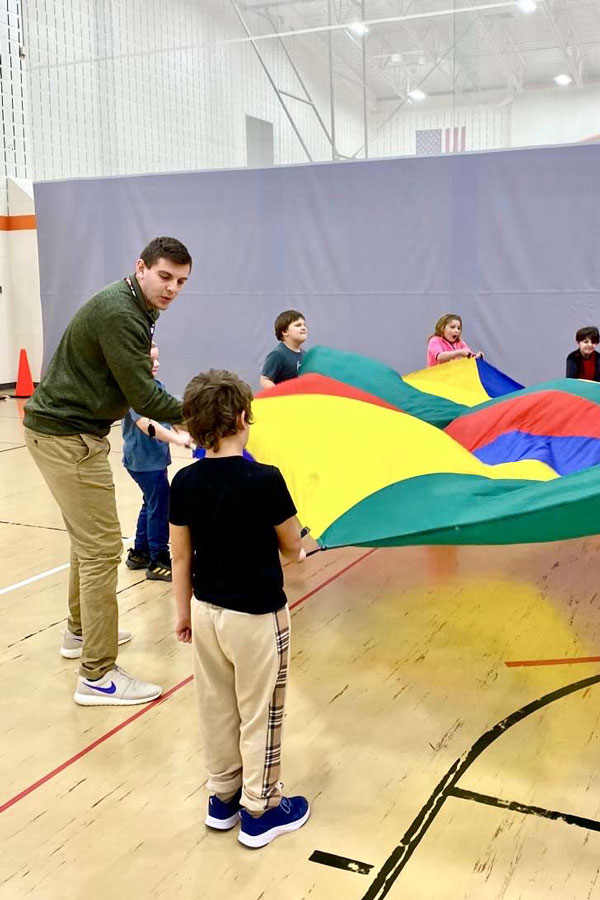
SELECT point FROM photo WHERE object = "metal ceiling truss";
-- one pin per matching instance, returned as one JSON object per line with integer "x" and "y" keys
{"x": 430, "y": 45}
{"x": 433, "y": 46}
{"x": 495, "y": 36}
{"x": 264, "y": 10}
{"x": 439, "y": 62}
{"x": 560, "y": 22}
{"x": 278, "y": 92}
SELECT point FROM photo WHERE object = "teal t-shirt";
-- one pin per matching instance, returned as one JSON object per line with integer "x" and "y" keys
{"x": 282, "y": 364}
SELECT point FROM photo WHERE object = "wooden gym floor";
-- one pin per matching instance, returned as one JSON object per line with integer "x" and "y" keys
{"x": 437, "y": 769}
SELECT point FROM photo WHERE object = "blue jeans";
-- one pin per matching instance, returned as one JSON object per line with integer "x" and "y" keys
{"x": 152, "y": 532}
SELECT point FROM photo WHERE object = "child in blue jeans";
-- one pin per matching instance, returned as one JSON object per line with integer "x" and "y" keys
{"x": 146, "y": 456}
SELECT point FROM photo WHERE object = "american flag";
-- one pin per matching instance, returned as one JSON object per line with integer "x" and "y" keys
{"x": 441, "y": 140}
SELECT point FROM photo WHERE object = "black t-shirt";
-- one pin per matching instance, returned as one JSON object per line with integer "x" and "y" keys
{"x": 231, "y": 506}
{"x": 282, "y": 364}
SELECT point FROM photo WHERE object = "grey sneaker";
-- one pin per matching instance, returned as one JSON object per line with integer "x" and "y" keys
{"x": 72, "y": 643}
{"x": 116, "y": 688}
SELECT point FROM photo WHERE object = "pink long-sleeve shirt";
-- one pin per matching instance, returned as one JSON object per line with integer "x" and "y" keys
{"x": 439, "y": 345}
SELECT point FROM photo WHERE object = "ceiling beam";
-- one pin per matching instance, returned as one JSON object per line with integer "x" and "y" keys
{"x": 387, "y": 20}
{"x": 563, "y": 30}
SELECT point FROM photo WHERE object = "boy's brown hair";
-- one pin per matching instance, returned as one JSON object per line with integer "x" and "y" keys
{"x": 588, "y": 331}
{"x": 284, "y": 320}
{"x": 212, "y": 405}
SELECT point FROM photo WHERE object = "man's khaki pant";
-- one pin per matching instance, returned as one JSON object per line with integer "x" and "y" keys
{"x": 76, "y": 469}
{"x": 240, "y": 667}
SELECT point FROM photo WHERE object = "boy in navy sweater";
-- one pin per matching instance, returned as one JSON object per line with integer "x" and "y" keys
{"x": 146, "y": 456}
{"x": 585, "y": 361}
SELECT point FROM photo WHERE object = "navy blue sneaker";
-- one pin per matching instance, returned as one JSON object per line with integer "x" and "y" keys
{"x": 290, "y": 815}
{"x": 223, "y": 816}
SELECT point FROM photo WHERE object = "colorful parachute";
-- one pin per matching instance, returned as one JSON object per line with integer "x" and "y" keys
{"x": 457, "y": 454}
{"x": 434, "y": 395}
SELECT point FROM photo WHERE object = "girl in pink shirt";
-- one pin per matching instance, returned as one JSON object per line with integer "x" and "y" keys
{"x": 447, "y": 344}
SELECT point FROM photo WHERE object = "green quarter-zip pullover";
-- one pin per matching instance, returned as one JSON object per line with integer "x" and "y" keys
{"x": 101, "y": 368}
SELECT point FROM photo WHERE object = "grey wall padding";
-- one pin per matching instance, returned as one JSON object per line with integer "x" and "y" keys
{"x": 372, "y": 252}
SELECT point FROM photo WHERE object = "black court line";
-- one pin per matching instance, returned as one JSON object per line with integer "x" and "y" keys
{"x": 133, "y": 584}
{"x": 397, "y": 860}
{"x": 45, "y": 527}
{"x": 340, "y": 862}
{"x": 8, "y": 449}
{"x": 52, "y": 624}
{"x": 527, "y": 809}
{"x": 33, "y": 633}
{"x": 27, "y": 525}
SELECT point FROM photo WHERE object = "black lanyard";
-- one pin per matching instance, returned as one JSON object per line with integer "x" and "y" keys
{"x": 151, "y": 323}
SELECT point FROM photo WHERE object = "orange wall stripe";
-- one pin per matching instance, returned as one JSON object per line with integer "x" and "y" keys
{"x": 17, "y": 223}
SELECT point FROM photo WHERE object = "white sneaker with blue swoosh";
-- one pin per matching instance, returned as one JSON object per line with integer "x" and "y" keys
{"x": 116, "y": 688}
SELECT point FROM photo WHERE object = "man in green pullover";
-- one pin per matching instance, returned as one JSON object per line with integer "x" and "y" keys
{"x": 100, "y": 370}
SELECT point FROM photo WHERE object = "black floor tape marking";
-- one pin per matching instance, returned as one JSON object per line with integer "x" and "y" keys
{"x": 340, "y": 862}
{"x": 515, "y": 806}
{"x": 27, "y": 525}
{"x": 399, "y": 857}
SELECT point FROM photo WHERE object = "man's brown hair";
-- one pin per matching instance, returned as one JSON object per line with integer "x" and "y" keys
{"x": 166, "y": 248}
{"x": 284, "y": 320}
{"x": 212, "y": 405}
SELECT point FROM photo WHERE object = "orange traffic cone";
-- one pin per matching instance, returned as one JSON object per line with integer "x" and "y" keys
{"x": 24, "y": 386}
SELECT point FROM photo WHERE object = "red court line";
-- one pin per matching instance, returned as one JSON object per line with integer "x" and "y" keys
{"x": 141, "y": 712}
{"x": 333, "y": 578}
{"x": 552, "y": 662}
{"x": 96, "y": 743}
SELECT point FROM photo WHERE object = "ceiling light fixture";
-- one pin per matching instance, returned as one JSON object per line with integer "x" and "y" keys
{"x": 359, "y": 29}
{"x": 527, "y": 6}
{"x": 417, "y": 94}
{"x": 563, "y": 80}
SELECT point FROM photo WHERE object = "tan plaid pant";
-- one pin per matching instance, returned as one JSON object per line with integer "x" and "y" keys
{"x": 240, "y": 667}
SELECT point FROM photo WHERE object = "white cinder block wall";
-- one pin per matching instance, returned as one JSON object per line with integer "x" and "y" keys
{"x": 556, "y": 117}
{"x": 111, "y": 94}
{"x": 93, "y": 88}
{"x": 486, "y": 128}
{"x": 108, "y": 87}
{"x": 14, "y": 161}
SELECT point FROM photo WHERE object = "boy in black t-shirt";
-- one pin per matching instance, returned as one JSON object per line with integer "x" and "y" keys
{"x": 230, "y": 518}
{"x": 285, "y": 360}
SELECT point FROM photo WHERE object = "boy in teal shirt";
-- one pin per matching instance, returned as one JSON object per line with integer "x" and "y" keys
{"x": 285, "y": 360}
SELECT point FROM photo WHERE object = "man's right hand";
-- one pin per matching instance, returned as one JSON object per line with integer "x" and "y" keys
{"x": 182, "y": 438}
